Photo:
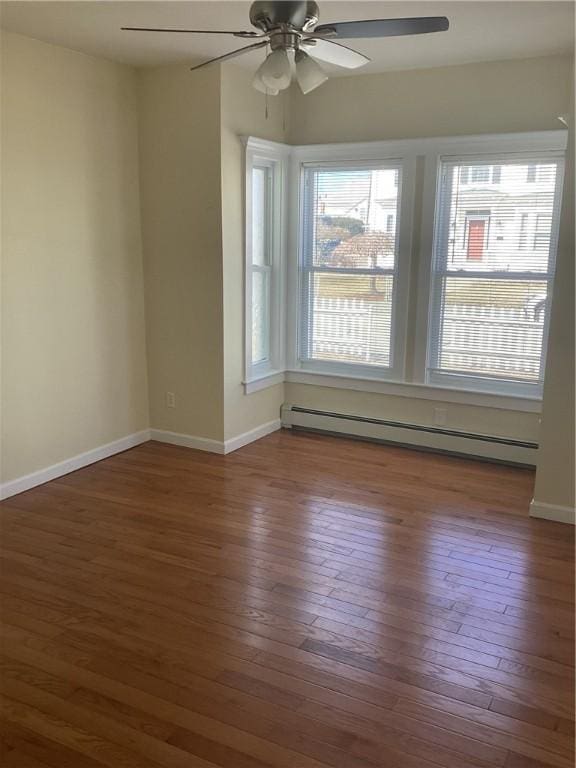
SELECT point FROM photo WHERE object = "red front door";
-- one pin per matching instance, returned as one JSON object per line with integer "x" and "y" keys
{"x": 476, "y": 229}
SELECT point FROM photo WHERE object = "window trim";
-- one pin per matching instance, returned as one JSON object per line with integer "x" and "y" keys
{"x": 412, "y": 389}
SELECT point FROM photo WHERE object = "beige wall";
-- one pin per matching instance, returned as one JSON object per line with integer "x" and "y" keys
{"x": 556, "y": 462}
{"x": 181, "y": 227}
{"x": 494, "y": 97}
{"x": 73, "y": 354}
{"x": 491, "y": 421}
{"x": 476, "y": 98}
{"x": 243, "y": 113}
{"x": 72, "y": 277}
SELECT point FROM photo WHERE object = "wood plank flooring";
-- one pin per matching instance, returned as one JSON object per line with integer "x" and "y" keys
{"x": 307, "y": 601}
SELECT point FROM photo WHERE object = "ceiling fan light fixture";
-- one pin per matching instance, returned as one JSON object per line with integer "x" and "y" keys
{"x": 276, "y": 71}
{"x": 309, "y": 73}
{"x": 261, "y": 86}
{"x": 290, "y": 27}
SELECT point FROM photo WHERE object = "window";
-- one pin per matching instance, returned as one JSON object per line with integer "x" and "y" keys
{"x": 483, "y": 331}
{"x": 523, "y": 233}
{"x": 265, "y": 179}
{"x": 347, "y": 287}
{"x": 541, "y": 232}
{"x": 480, "y": 174}
{"x": 348, "y": 269}
{"x": 262, "y": 201}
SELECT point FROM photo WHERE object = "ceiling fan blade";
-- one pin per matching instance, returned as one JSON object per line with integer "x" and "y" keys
{"x": 383, "y": 27}
{"x": 232, "y": 54}
{"x": 193, "y": 31}
{"x": 334, "y": 53}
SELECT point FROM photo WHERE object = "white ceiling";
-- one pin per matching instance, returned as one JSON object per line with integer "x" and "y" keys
{"x": 479, "y": 31}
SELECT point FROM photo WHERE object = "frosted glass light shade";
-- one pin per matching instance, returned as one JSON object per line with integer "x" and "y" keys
{"x": 276, "y": 71}
{"x": 309, "y": 74}
{"x": 260, "y": 85}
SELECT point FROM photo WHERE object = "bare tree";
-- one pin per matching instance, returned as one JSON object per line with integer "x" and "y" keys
{"x": 365, "y": 250}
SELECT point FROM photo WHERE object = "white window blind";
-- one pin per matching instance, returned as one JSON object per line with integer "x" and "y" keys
{"x": 261, "y": 262}
{"x": 348, "y": 265}
{"x": 492, "y": 271}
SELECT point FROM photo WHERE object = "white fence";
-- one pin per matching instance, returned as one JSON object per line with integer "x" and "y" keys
{"x": 353, "y": 330}
{"x": 497, "y": 340}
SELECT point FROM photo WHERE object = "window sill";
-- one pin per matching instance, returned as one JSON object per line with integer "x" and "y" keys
{"x": 395, "y": 389}
{"x": 263, "y": 381}
{"x": 416, "y": 390}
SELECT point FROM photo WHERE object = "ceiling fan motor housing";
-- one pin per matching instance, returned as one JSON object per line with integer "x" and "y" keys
{"x": 268, "y": 15}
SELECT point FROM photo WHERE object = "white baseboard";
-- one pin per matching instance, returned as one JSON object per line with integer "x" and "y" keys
{"x": 25, "y": 483}
{"x": 249, "y": 437}
{"x": 411, "y": 435}
{"x": 187, "y": 441}
{"x": 42, "y": 476}
{"x": 221, "y": 447}
{"x": 553, "y": 512}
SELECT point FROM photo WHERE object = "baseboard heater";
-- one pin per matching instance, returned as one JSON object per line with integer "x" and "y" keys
{"x": 412, "y": 435}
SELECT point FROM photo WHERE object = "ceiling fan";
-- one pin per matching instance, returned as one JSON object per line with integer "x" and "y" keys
{"x": 296, "y": 40}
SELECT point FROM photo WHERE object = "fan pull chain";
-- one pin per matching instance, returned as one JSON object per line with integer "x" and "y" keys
{"x": 266, "y": 95}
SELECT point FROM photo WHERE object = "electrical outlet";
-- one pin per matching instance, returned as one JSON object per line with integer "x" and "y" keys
{"x": 440, "y": 416}
{"x": 170, "y": 400}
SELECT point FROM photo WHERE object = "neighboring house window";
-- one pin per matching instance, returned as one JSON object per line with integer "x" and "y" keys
{"x": 479, "y": 336}
{"x": 531, "y": 173}
{"x": 265, "y": 179}
{"x": 523, "y": 232}
{"x": 348, "y": 267}
{"x": 541, "y": 232}
{"x": 479, "y": 174}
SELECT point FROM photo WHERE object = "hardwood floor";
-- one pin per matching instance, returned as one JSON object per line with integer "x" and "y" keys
{"x": 307, "y": 601}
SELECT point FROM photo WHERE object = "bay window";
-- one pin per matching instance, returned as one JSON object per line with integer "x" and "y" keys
{"x": 425, "y": 263}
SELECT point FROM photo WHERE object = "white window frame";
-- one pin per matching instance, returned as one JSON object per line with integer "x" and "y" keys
{"x": 353, "y": 156}
{"x": 271, "y": 155}
{"x": 337, "y": 366}
{"x": 495, "y": 150}
{"x": 420, "y": 178}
